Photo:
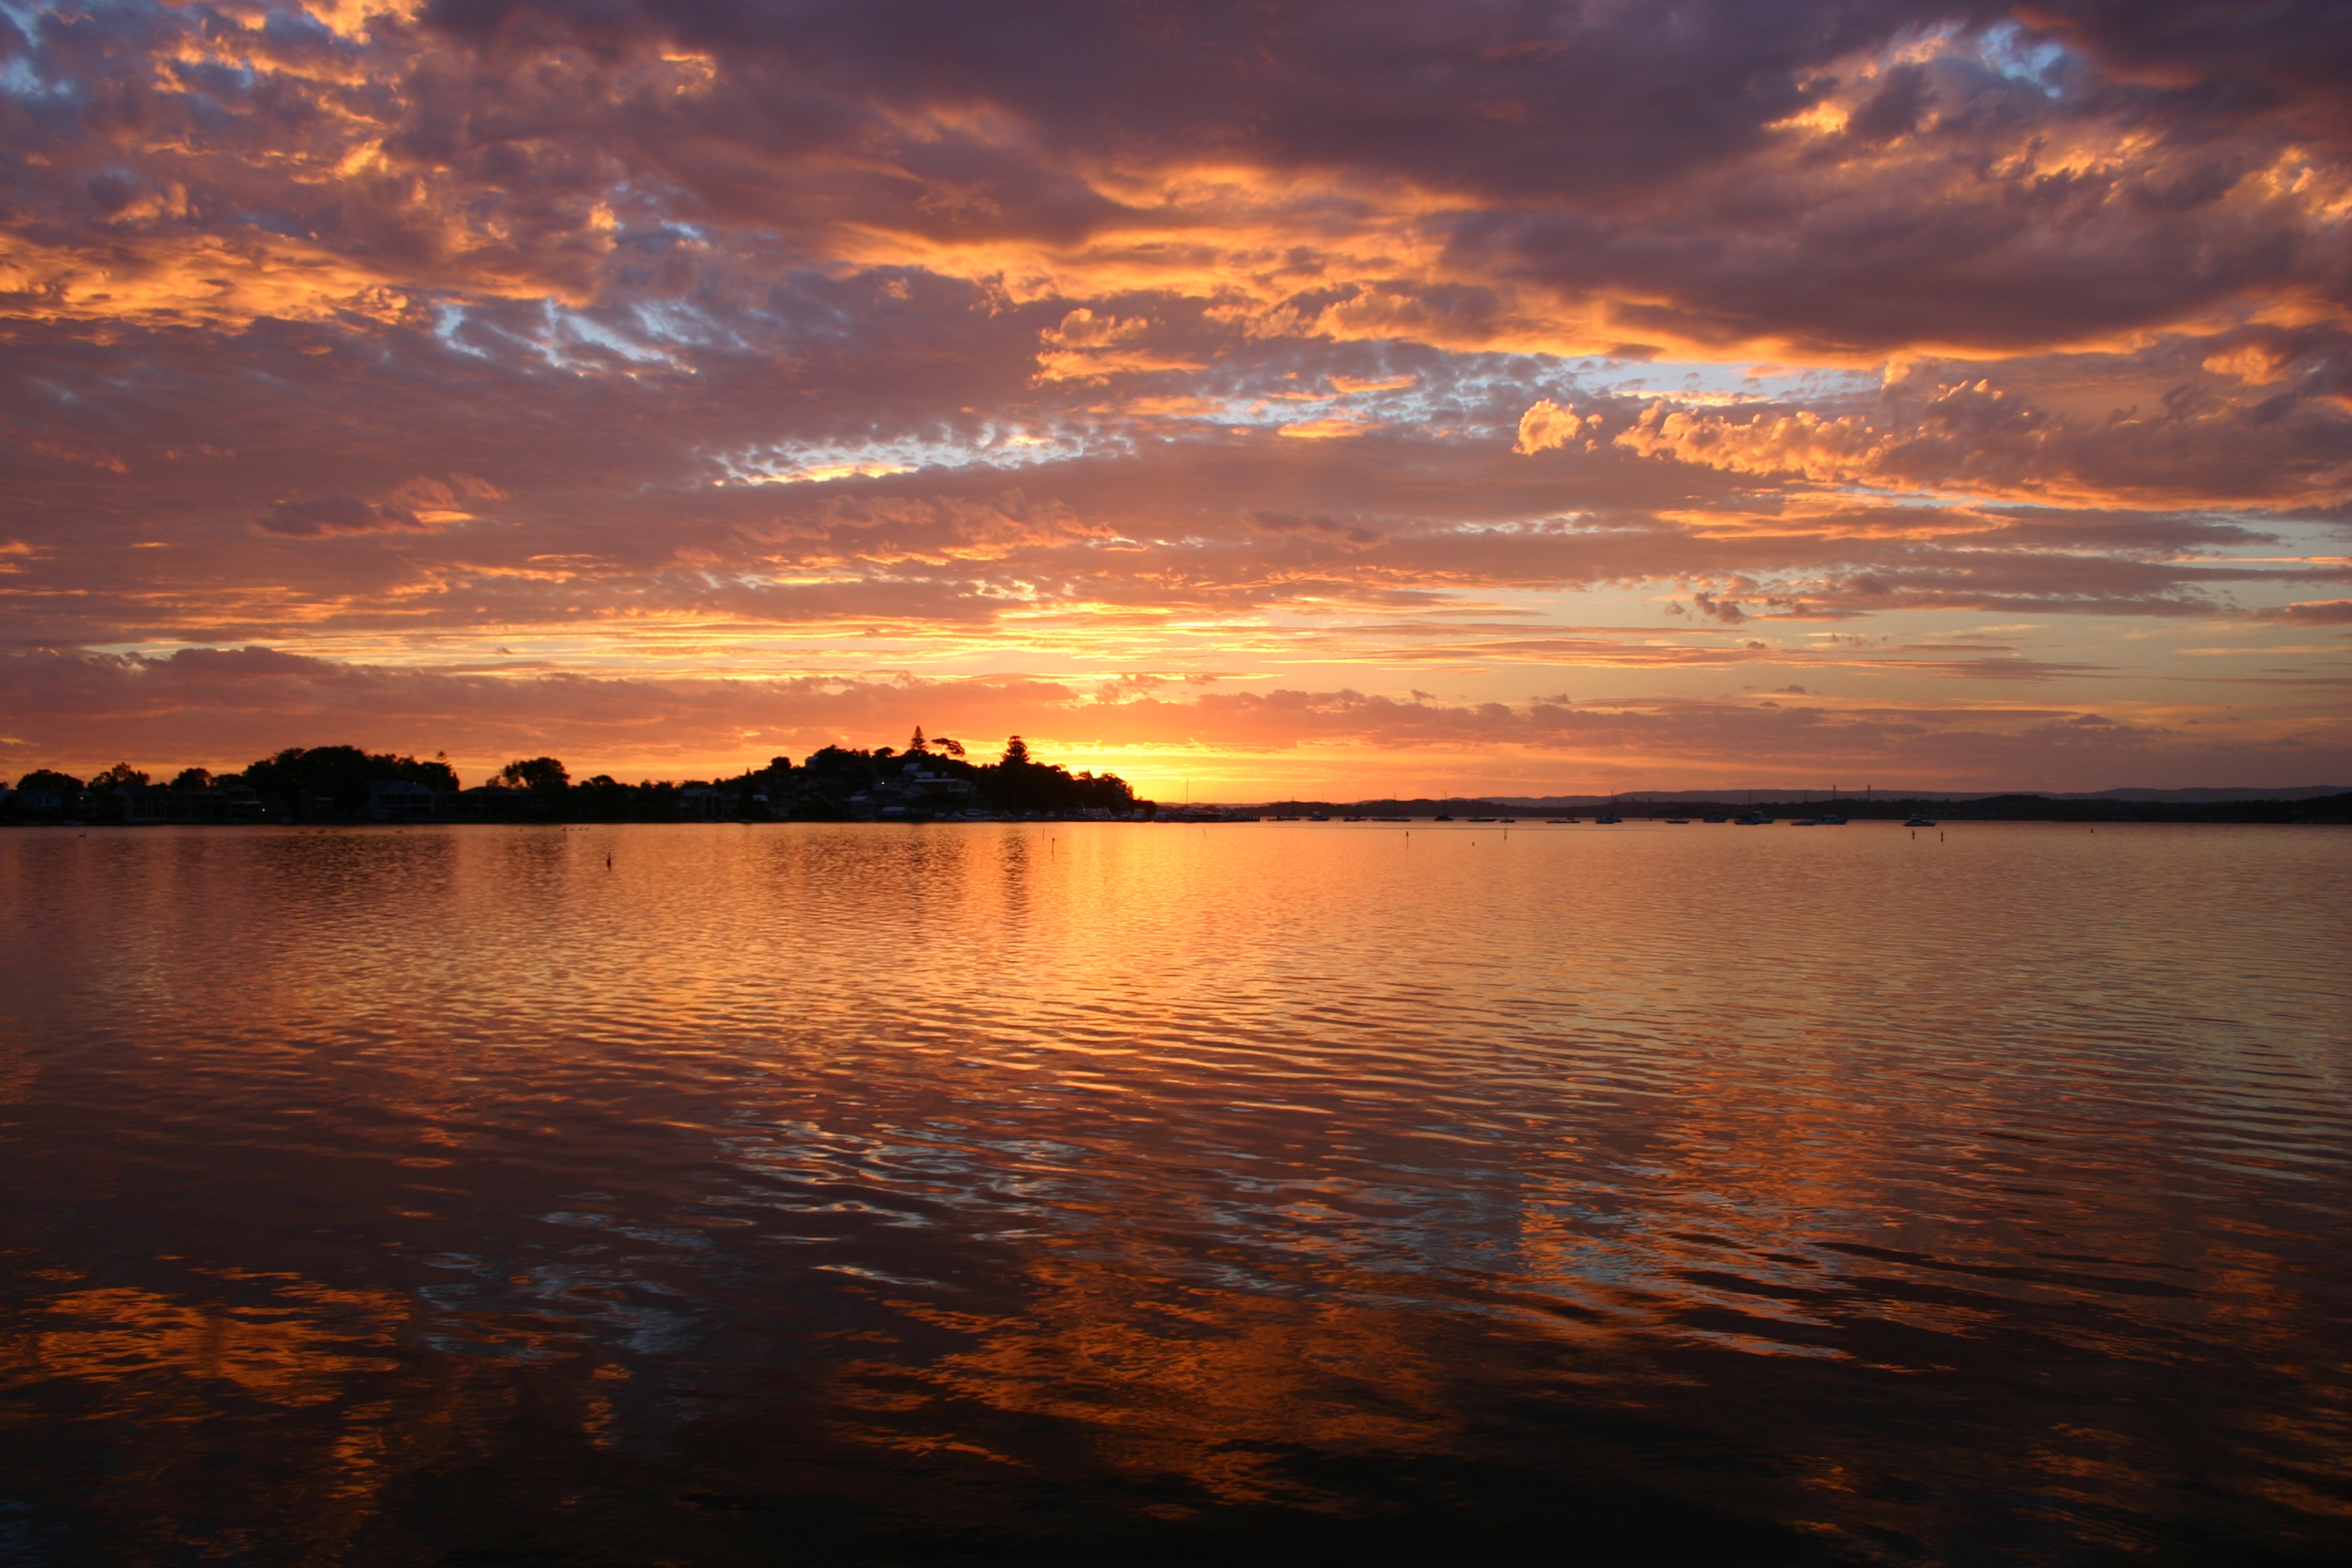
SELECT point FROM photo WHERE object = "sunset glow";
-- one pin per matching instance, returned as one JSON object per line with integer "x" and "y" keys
{"x": 1321, "y": 401}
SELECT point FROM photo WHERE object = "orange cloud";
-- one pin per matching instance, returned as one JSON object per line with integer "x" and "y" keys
{"x": 1330, "y": 427}
{"x": 1545, "y": 427}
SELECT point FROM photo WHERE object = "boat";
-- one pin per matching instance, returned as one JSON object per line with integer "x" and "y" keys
{"x": 1832, "y": 820}
{"x": 1918, "y": 822}
{"x": 1351, "y": 819}
{"x": 1752, "y": 820}
{"x": 1557, "y": 821}
{"x": 1711, "y": 819}
{"x": 1482, "y": 819}
{"x": 1678, "y": 822}
{"x": 1507, "y": 819}
{"x": 1608, "y": 819}
{"x": 1318, "y": 817}
{"x": 1443, "y": 818}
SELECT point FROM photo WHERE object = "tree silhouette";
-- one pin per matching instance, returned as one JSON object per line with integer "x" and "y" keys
{"x": 541, "y": 775}
{"x": 1016, "y": 753}
{"x": 191, "y": 779}
{"x": 339, "y": 774}
{"x": 48, "y": 781}
{"x": 119, "y": 775}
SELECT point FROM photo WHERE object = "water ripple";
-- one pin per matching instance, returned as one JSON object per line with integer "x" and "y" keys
{"x": 1977, "y": 1201}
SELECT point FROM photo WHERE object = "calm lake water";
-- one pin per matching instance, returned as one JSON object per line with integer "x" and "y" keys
{"x": 1141, "y": 1194}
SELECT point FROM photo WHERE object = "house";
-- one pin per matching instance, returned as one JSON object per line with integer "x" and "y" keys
{"x": 136, "y": 804}
{"x": 39, "y": 803}
{"x": 494, "y": 803}
{"x": 398, "y": 800}
{"x": 221, "y": 803}
{"x": 933, "y": 789}
{"x": 705, "y": 804}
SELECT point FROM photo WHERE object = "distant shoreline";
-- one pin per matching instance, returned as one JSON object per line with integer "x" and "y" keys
{"x": 2327, "y": 809}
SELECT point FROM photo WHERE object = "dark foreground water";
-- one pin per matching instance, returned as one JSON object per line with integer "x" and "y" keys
{"x": 1148, "y": 1193}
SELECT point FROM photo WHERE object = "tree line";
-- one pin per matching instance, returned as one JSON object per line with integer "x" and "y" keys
{"x": 339, "y": 775}
{"x": 930, "y": 776}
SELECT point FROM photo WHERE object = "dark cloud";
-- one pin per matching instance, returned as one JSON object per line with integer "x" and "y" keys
{"x": 2287, "y": 59}
{"x": 1716, "y": 171}
{"x": 1317, "y": 525}
{"x": 2312, "y": 612}
{"x": 325, "y": 515}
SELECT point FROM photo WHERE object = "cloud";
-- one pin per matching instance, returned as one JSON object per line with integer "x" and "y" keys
{"x": 1850, "y": 177}
{"x": 2200, "y": 446}
{"x": 1318, "y": 526}
{"x": 2312, "y": 612}
{"x": 1332, "y": 427}
{"x": 1086, "y": 348}
{"x": 1728, "y": 611}
{"x": 326, "y": 515}
{"x": 1546, "y": 424}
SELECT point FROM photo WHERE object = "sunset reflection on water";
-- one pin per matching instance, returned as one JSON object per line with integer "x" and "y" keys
{"x": 424, "y": 1195}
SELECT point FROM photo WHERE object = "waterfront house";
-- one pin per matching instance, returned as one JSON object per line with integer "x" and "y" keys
{"x": 399, "y": 800}
{"x": 221, "y": 803}
{"x": 705, "y": 804}
{"x": 135, "y": 803}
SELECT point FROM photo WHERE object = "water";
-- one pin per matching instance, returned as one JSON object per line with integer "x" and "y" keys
{"x": 1143, "y": 1193}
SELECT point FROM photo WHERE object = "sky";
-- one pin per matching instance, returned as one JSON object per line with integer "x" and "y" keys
{"x": 1254, "y": 399}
